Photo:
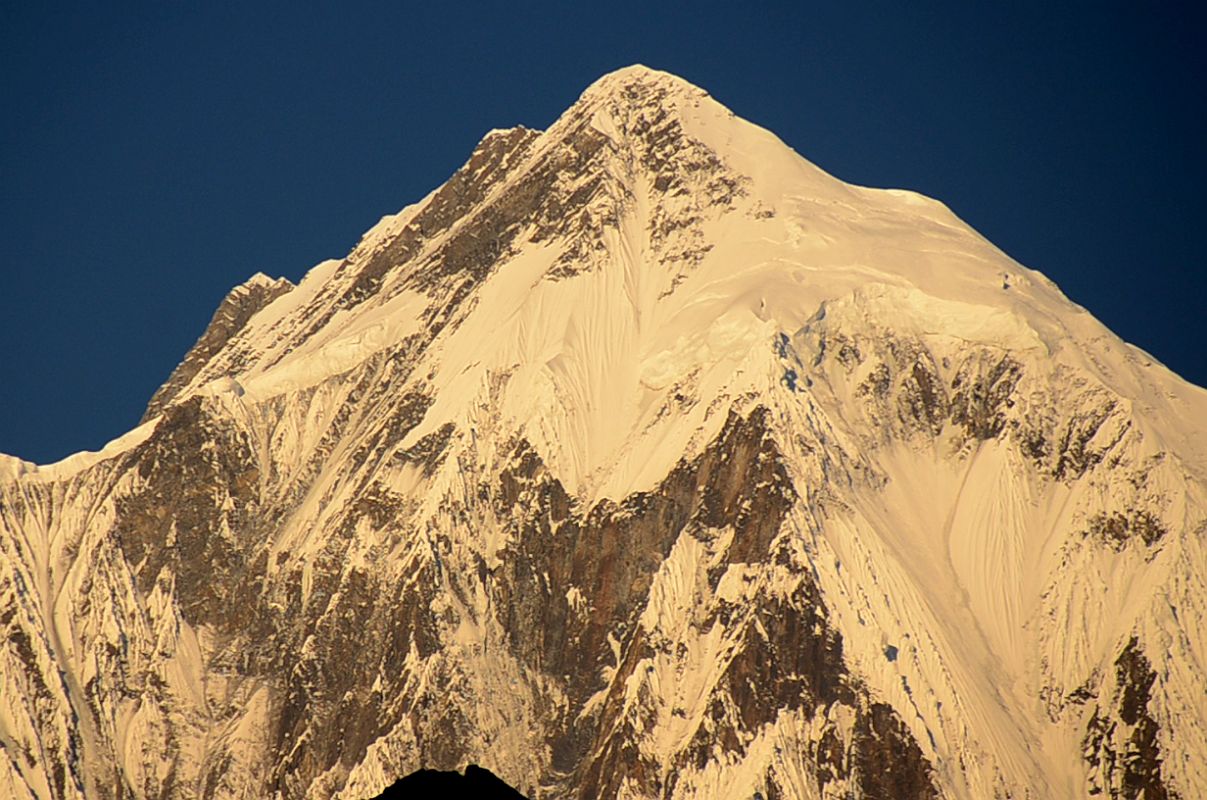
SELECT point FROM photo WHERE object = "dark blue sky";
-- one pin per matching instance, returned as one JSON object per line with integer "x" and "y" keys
{"x": 150, "y": 159}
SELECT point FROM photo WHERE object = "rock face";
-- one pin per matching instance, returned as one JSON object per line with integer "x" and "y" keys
{"x": 641, "y": 459}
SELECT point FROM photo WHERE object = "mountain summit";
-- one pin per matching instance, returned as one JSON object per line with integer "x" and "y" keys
{"x": 642, "y": 458}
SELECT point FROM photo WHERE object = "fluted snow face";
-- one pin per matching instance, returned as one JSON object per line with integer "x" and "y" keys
{"x": 641, "y": 459}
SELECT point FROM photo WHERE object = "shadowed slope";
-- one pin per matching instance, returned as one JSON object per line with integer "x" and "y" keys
{"x": 476, "y": 784}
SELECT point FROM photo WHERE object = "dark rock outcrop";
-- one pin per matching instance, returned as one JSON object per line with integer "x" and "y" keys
{"x": 476, "y": 784}
{"x": 1121, "y": 744}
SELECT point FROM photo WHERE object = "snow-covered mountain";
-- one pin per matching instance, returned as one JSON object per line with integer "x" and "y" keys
{"x": 641, "y": 459}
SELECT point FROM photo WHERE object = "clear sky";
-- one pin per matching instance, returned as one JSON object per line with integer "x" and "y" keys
{"x": 153, "y": 157}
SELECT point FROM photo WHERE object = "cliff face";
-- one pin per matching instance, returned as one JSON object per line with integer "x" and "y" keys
{"x": 641, "y": 459}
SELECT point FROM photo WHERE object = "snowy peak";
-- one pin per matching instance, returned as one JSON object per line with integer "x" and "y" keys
{"x": 625, "y": 78}
{"x": 617, "y": 172}
{"x": 647, "y": 234}
{"x": 642, "y": 458}
{"x": 638, "y": 87}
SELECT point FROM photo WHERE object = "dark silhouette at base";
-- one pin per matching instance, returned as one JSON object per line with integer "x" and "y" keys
{"x": 474, "y": 784}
